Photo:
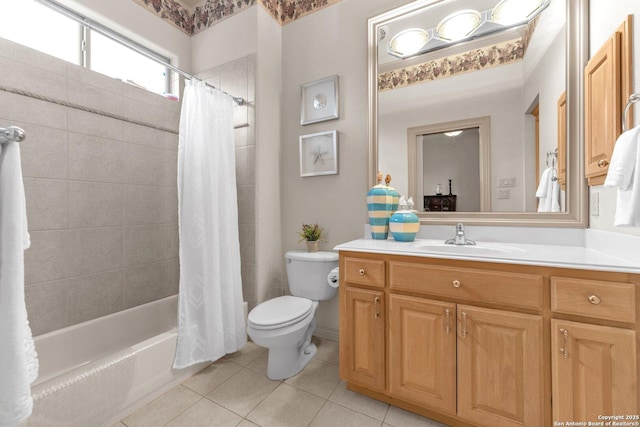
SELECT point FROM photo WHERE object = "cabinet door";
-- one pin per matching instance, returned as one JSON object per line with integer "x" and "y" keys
{"x": 422, "y": 352}
{"x": 602, "y": 107}
{"x": 594, "y": 371}
{"x": 500, "y": 367}
{"x": 362, "y": 337}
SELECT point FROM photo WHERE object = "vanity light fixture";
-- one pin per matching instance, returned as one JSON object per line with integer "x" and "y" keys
{"x": 453, "y": 133}
{"x": 409, "y": 42}
{"x": 459, "y": 25}
{"x": 465, "y": 24}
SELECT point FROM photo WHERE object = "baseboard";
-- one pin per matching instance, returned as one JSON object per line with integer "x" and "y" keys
{"x": 326, "y": 333}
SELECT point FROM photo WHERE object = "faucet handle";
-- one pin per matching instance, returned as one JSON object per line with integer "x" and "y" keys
{"x": 460, "y": 227}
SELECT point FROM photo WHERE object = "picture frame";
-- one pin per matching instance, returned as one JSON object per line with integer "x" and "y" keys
{"x": 319, "y": 154}
{"x": 319, "y": 100}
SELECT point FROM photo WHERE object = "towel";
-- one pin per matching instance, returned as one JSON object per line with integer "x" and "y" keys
{"x": 18, "y": 358}
{"x": 624, "y": 173}
{"x": 548, "y": 191}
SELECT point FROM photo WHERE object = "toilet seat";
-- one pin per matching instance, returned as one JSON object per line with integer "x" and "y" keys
{"x": 279, "y": 312}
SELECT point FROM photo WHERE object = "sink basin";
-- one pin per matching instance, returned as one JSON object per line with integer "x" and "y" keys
{"x": 477, "y": 250}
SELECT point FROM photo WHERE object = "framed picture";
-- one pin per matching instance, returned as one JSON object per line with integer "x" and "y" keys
{"x": 319, "y": 154}
{"x": 319, "y": 100}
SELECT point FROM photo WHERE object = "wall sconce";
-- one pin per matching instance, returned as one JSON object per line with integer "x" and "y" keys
{"x": 465, "y": 24}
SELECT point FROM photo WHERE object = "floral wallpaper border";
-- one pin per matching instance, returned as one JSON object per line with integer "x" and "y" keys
{"x": 210, "y": 12}
{"x": 477, "y": 59}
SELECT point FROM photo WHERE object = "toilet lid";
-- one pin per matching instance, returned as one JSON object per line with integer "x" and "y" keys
{"x": 279, "y": 311}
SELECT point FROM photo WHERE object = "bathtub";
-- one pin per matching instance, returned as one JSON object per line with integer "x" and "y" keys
{"x": 95, "y": 373}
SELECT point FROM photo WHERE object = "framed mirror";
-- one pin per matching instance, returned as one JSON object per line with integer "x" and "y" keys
{"x": 515, "y": 80}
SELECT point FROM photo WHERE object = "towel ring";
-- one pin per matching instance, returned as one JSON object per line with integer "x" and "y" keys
{"x": 632, "y": 100}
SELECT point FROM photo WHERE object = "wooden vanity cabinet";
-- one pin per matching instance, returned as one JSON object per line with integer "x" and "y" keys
{"x": 483, "y": 344}
{"x": 593, "y": 366}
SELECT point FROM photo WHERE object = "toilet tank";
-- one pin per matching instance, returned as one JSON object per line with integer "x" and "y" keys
{"x": 307, "y": 274}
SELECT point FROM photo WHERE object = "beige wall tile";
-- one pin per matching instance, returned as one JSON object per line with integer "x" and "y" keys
{"x": 45, "y": 259}
{"x": 20, "y": 75}
{"x": 155, "y": 115}
{"x": 138, "y": 134}
{"x": 94, "y": 204}
{"x": 95, "y": 97}
{"x": 145, "y": 204}
{"x": 46, "y": 203}
{"x": 28, "y": 110}
{"x": 47, "y": 306}
{"x": 146, "y": 283}
{"x": 95, "y": 295}
{"x": 144, "y": 244}
{"x": 247, "y": 243}
{"x": 246, "y": 165}
{"x": 44, "y": 152}
{"x": 91, "y": 78}
{"x": 241, "y": 136}
{"x": 249, "y": 283}
{"x": 246, "y": 204}
{"x": 144, "y": 165}
{"x": 93, "y": 250}
{"x": 93, "y": 158}
{"x": 94, "y": 124}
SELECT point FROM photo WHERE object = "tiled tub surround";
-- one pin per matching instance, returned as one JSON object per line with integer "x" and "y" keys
{"x": 101, "y": 193}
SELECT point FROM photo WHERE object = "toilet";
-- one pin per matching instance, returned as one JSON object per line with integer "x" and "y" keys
{"x": 285, "y": 324}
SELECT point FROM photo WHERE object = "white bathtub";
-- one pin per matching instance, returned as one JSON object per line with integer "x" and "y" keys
{"x": 95, "y": 373}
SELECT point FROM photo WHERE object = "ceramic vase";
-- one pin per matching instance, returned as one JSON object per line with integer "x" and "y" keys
{"x": 404, "y": 225}
{"x": 379, "y": 207}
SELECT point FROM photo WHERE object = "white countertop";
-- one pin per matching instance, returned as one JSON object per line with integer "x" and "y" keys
{"x": 578, "y": 257}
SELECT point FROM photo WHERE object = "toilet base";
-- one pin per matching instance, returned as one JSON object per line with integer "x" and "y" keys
{"x": 280, "y": 366}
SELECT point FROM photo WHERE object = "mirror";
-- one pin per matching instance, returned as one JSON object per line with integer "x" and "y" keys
{"x": 516, "y": 81}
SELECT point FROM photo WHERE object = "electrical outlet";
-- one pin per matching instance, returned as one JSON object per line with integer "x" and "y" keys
{"x": 594, "y": 209}
{"x": 504, "y": 194}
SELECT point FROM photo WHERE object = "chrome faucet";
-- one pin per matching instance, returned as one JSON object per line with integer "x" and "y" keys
{"x": 460, "y": 238}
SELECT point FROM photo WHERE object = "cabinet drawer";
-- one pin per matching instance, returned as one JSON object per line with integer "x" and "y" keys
{"x": 602, "y": 300}
{"x": 363, "y": 271}
{"x": 521, "y": 290}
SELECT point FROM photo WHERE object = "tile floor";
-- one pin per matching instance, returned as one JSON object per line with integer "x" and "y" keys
{"x": 235, "y": 391}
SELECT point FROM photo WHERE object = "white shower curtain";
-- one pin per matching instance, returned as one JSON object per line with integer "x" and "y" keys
{"x": 210, "y": 309}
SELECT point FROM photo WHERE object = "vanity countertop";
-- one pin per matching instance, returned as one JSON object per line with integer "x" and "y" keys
{"x": 578, "y": 257}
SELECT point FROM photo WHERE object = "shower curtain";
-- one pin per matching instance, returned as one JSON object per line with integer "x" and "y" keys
{"x": 210, "y": 309}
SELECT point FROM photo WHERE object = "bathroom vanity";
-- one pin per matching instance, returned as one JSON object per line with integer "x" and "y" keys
{"x": 498, "y": 335}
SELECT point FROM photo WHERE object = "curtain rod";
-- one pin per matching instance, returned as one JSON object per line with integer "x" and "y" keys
{"x": 107, "y": 32}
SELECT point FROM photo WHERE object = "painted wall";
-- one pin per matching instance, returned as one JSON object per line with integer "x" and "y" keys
{"x": 101, "y": 192}
{"x": 605, "y": 17}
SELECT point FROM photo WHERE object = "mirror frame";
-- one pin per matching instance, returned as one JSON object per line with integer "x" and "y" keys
{"x": 577, "y": 213}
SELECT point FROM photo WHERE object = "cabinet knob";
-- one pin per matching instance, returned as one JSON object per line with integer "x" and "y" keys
{"x": 361, "y": 271}
{"x": 456, "y": 283}
{"x": 602, "y": 163}
{"x": 594, "y": 299}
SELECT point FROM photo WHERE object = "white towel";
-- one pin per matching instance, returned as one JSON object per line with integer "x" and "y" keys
{"x": 18, "y": 359}
{"x": 548, "y": 191}
{"x": 624, "y": 173}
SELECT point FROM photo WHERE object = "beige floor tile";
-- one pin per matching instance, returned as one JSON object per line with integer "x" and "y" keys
{"x": 247, "y": 423}
{"x": 400, "y": 418}
{"x": 358, "y": 402}
{"x": 318, "y": 377}
{"x": 163, "y": 409}
{"x": 332, "y": 415}
{"x": 328, "y": 351}
{"x": 246, "y": 355}
{"x": 212, "y": 376}
{"x": 205, "y": 413}
{"x": 286, "y": 406}
{"x": 119, "y": 425}
{"x": 260, "y": 364}
{"x": 243, "y": 392}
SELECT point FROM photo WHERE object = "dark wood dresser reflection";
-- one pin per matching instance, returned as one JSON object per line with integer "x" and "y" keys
{"x": 445, "y": 203}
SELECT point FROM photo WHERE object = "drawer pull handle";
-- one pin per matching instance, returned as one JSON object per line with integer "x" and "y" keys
{"x": 602, "y": 163}
{"x": 565, "y": 338}
{"x": 456, "y": 283}
{"x": 361, "y": 271}
{"x": 594, "y": 299}
{"x": 447, "y": 318}
{"x": 376, "y": 314}
{"x": 464, "y": 324}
